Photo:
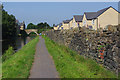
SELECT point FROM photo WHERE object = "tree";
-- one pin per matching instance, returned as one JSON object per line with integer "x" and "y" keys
{"x": 40, "y": 25}
{"x": 31, "y": 26}
{"x": 43, "y": 25}
{"x": 46, "y": 25}
{"x": 8, "y": 25}
{"x": 53, "y": 25}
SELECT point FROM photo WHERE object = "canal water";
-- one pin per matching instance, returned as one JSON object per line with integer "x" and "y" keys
{"x": 17, "y": 43}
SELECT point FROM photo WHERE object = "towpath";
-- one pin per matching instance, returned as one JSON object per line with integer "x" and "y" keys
{"x": 43, "y": 65}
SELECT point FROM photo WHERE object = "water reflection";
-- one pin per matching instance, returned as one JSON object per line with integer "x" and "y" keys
{"x": 17, "y": 43}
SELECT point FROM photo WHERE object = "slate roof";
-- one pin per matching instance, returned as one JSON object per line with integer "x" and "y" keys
{"x": 90, "y": 15}
{"x": 60, "y": 24}
{"x": 66, "y": 21}
{"x": 78, "y": 18}
{"x": 55, "y": 26}
{"x": 93, "y": 15}
{"x": 71, "y": 19}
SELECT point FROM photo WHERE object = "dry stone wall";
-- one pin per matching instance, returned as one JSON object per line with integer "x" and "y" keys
{"x": 102, "y": 46}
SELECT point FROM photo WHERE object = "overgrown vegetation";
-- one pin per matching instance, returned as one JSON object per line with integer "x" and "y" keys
{"x": 8, "y": 54}
{"x": 8, "y": 25}
{"x": 40, "y": 27}
{"x": 69, "y": 64}
{"x": 19, "y": 64}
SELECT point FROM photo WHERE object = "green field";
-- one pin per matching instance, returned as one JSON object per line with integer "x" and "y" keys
{"x": 69, "y": 64}
{"x": 19, "y": 64}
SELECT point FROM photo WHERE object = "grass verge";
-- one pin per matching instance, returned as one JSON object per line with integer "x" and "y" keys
{"x": 19, "y": 64}
{"x": 8, "y": 53}
{"x": 69, "y": 64}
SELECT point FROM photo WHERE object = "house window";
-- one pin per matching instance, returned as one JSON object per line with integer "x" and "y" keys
{"x": 78, "y": 24}
{"x": 90, "y": 27}
{"x": 84, "y": 22}
{"x": 71, "y": 28}
{"x": 74, "y": 24}
{"x": 93, "y": 21}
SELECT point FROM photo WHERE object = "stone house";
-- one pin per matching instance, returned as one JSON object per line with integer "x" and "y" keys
{"x": 58, "y": 27}
{"x": 76, "y": 21}
{"x": 65, "y": 24}
{"x": 101, "y": 18}
{"x": 55, "y": 27}
{"x": 71, "y": 23}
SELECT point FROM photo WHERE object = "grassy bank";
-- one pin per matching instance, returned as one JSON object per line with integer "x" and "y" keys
{"x": 71, "y": 65}
{"x": 8, "y": 53}
{"x": 19, "y": 64}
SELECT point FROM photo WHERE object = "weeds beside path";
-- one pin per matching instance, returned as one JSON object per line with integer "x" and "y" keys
{"x": 69, "y": 64}
{"x": 19, "y": 64}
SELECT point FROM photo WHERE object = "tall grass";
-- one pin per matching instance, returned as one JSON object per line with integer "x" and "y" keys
{"x": 69, "y": 64}
{"x": 8, "y": 53}
{"x": 19, "y": 64}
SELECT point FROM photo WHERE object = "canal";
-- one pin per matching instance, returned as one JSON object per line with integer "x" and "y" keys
{"x": 17, "y": 43}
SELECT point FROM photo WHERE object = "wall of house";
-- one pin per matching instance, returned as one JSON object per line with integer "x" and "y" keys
{"x": 109, "y": 17}
{"x": 71, "y": 23}
{"x": 90, "y": 44}
{"x": 89, "y": 23}
{"x": 119, "y": 18}
{"x": 55, "y": 28}
{"x": 95, "y": 25}
{"x": 80, "y": 24}
{"x": 84, "y": 19}
{"x": 74, "y": 23}
{"x": 66, "y": 26}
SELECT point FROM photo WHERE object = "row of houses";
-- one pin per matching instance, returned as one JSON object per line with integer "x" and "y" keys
{"x": 92, "y": 20}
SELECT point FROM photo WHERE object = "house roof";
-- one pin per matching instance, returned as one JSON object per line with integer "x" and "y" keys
{"x": 90, "y": 15}
{"x": 55, "y": 26}
{"x": 60, "y": 24}
{"x": 78, "y": 18}
{"x": 71, "y": 19}
{"x": 66, "y": 21}
{"x": 93, "y": 15}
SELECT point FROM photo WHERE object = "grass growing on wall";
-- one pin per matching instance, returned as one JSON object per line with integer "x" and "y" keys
{"x": 19, "y": 64}
{"x": 69, "y": 64}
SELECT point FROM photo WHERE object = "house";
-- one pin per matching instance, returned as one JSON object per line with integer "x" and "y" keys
{"x": 22, "y": 26}
{"x": 77, "y": 21}
{"x": 55, "y": 27}
{"x": 71, "y": 23}
{"x": 58, "y": 27}
{"x": 65, "y": 24}
{"x": 101, "y": 18}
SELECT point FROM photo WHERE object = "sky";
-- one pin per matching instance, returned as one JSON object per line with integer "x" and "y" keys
{"x": 52, "y": 12}
{"x": 60, "y": 0}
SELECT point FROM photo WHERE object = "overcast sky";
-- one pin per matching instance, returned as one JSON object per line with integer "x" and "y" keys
{"x": 52, "y": 12}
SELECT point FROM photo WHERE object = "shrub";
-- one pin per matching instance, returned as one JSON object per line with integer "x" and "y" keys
{"x": 8, "y": 54}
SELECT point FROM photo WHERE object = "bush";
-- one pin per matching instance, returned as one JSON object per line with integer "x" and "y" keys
{"x": 8, "y": 54}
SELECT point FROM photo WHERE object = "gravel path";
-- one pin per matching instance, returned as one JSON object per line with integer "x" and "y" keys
{"x": 43, "y": 66}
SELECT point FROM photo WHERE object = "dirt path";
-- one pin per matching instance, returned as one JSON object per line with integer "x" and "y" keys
{"x": 43, "y": 66}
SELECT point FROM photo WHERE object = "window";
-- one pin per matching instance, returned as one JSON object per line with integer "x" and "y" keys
{"x": 74, "y": 24}
{"x": 84, "y": 22}
{"x": 78, "y": 24}
{"x": 93, "y": 21}
{"x": 90, "y": 27}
